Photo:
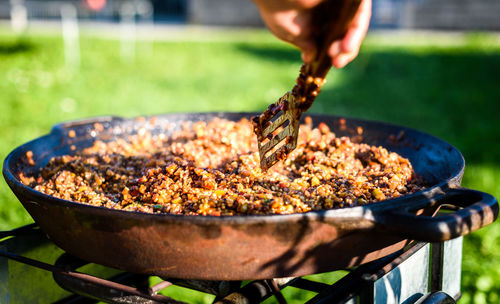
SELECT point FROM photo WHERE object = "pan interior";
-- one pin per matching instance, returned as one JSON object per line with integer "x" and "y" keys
{"x": 434, "y": 160}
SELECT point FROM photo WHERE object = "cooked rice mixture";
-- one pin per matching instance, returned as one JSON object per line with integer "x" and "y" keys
{"x": 213, "y": 169}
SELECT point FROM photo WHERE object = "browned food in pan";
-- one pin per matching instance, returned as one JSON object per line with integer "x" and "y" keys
{"x": 213, "y": 169}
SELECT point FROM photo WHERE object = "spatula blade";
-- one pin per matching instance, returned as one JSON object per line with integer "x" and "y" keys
{"x": 277, "y": 131}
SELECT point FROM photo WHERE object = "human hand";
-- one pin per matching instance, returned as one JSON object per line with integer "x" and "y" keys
{"x": 292, "y": 21}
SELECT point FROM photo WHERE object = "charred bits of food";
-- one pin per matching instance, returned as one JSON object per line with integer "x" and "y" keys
{"x": 212, "y": 168}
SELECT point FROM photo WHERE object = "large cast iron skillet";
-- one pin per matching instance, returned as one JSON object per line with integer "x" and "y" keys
{"x": 252, "y": 247}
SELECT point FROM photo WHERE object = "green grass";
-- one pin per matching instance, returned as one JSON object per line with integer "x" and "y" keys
{"x": 446, "y": 86}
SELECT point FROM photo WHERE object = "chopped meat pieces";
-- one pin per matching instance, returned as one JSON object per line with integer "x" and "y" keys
{"x": 212, "y": 168}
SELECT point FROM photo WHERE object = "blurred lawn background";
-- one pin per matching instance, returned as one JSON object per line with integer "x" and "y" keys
{"x": 444, "y": 84}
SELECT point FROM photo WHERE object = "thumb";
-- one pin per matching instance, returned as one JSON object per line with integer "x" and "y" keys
{"x": 308, "y": 49}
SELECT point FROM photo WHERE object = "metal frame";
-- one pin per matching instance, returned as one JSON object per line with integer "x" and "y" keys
{"x": 412, "y": 275}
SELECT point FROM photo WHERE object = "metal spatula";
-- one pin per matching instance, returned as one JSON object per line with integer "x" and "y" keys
{"x": 277, "y": 128}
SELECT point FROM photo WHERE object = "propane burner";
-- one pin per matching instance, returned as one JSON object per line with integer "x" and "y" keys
{"x": 35, "y": 268}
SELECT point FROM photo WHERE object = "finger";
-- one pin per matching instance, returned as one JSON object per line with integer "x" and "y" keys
{"x": 339, "y": 57}
{"x": 293, "y": 27}
{"x": 345, "y": 50}
{"x": 358, "y": 29}
{"x": 308, "y": 48}
{"x": 343, "y": 59}
{"x": 335, "y": 48}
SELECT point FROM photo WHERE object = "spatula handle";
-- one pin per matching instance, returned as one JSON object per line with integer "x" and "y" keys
{"x": 332, "y": 19}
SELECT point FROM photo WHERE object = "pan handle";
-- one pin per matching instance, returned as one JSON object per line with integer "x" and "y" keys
{"x": 478, "y": 209}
